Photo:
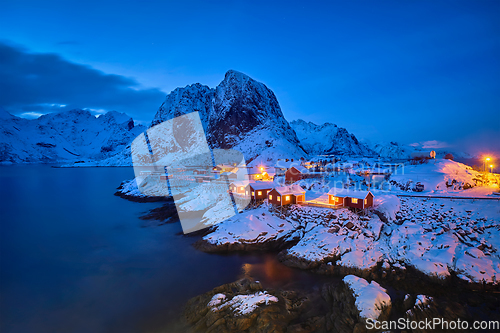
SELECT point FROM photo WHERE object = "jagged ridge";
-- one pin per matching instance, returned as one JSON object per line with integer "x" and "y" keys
{"x": 328, "y": 139}
{"x": 65, "y": 136}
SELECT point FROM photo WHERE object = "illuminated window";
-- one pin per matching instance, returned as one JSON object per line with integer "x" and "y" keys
{"x": 268, "y": 192}
{"x": 271, "y": 197}
{"x": 279, "y": 198}
{"x": 354, "y": 200}
{"x": 259, "y": 192}
{"x": 366, "y": 201}
{"x": 287, "y": 198}
{"x": 241, "y": 188}
{"x": 247, "y": 192}
{"x": 253, "y": 193}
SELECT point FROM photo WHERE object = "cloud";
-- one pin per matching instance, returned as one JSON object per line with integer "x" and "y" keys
{"x": 45, "y": 82}
{"x": 31, "y": 115}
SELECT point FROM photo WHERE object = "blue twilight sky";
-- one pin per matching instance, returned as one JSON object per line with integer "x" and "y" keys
{"x": 406, "y": 71}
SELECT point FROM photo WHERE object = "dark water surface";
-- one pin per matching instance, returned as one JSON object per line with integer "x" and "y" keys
{"x": 76, "y": 258}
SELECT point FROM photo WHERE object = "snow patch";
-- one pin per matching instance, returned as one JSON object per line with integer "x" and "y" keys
{"x": 371, "y": 298}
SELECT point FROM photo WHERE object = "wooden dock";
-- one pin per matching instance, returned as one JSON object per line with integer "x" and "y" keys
{"x": 319, "y": 204}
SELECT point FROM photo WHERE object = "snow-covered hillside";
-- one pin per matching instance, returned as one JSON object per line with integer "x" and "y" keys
{"x": 67, "y": 136}
{"x": 328, "y": 139}
{"x": 438, "y": 175}
{"x": 240, "y": 113}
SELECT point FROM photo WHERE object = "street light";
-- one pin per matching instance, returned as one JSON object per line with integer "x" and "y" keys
{"x": 491, "y": 168}
{"x": 487, "y": 159}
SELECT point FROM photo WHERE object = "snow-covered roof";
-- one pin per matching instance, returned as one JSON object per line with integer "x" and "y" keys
{"x": 300, "y": 168}
{"x": 291, "y": 189}
{"x": 239, "y": 183}
{"x": 340, "y": 192}
{"x": 226, "y": 166}
{"x": 262, "y": 185}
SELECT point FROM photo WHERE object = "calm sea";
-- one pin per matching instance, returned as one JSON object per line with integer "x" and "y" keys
{"x": 76, "y": 258}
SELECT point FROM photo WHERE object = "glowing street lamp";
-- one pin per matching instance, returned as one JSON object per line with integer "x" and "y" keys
{"x": 491, "y": 168}
{"x": 487, "y": 159}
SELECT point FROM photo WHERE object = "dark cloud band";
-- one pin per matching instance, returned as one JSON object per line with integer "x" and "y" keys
{"x": 38, "y": 81}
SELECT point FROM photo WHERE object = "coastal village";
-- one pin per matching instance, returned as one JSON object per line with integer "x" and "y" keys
{"x": 419, "y": 224}
{"x": 325, "y": 182}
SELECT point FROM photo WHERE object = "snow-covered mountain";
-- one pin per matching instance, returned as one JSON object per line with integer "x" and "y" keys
{"x": 240, "y": 113}
{"x": 328, "y": 139}
{"x": 66, "y": 136}
{"x": 394, "y": 150}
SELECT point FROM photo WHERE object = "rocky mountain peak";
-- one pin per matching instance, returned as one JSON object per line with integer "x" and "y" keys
{"x": 328, "y": 138}
{"x": 239, "y": 113}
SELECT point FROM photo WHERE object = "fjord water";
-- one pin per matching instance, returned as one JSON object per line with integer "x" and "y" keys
{"x": 76, "y": 258}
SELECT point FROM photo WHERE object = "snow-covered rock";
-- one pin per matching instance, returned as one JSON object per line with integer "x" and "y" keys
{"x": 388, "y": 205}
{"x": 371, "y": 298}
{"x": 255, "y": 229}
{"x": 328, "y": 139}
{"x": 241, "y": 304}
{"x": 245, "y": 306}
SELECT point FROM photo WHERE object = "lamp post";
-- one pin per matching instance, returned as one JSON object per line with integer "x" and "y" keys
{"x": 487, "y": 159}
{"x": 491, "y": 168}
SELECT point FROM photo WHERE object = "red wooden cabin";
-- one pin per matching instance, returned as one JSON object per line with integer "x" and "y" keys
{"x": 286, "y": 195}
{"x": 350, "y": 198}
{"x": 259, "y": 190}
{"x": 294, "y": 174}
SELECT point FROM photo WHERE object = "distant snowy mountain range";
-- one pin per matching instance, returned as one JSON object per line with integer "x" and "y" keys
{"x": 328, "y": 139}
{"x": 67, "y": 136}
{"x": 240, "y": 113}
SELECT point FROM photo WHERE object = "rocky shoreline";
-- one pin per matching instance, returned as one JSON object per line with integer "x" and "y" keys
{"x": 241, "y": 306}
{"x": 417, "y": 249}
{"x": 381, "y": 247}
{"x": 439, "y": 249}
{"x": 128, "y": 190}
